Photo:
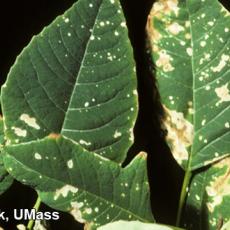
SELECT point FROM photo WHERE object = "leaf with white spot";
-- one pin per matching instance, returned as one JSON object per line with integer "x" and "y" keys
{"x": 5, "y": 179}
{"x": 92, "y": 188}
{"x": 136, "y": 225}
{"x": 76, "y": 78}
{"x": 208, "y": 202}
{"x": 191, "y": 46}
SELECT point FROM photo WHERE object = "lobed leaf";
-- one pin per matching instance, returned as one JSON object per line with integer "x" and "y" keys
{"x": 69, "y": 178}
{"x": 77, "y": 78}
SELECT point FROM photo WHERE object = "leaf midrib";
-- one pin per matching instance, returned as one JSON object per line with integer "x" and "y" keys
{"x": 188, "y": 169}
{"x": 80, "y": 69}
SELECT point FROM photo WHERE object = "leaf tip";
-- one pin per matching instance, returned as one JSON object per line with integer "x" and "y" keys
{"x": 142, "y": 155}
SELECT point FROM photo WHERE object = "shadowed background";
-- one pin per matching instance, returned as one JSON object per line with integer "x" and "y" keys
{"x": 19, "y": 21}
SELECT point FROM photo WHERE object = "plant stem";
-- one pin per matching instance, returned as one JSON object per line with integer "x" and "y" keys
{"x": 36, "y": 207}
{"x": 183, "y": 194}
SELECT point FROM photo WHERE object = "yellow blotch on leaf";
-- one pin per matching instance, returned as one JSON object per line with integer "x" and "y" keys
{"x": 180, "y": 134}
{"x": 164, "y": 61}
{"x": 223, "y": 93}
{"x": 219, "y": 186}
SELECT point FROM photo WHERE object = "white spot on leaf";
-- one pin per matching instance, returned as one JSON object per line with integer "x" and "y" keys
{"x": 203, "y": 122}
{"x": 210, "y": 23}
{"x": 82, "y": 142}
{"x": 134, "y": 92}
{"x": 167, "y": 6}
{"x": 164, "y": 61}
{"x": 19, "y": 132}
{"x": 117, "y": 134}
{"x": 180, "y": 134}
{"x": 203, "y": 43}
{"x": 88, "y": 210}
{"x": 70, "y": 164}
{"x": 102, "y": 24}
{"x": 123, "y": 24}
{"x": 188, "y": 36}
{"x": 222, "y": 63}
{"x": 66, "y": 20}
{"x": 175, "y": 28}
{"x": 75, "y": 211}
{"x": 37, "y": 156}
{"x": 189, "y": 51}
{"x": 30, "y": 121}
{"x": 223, "y": 93}
{"x": 64, "y": 191}
{"x": 123, "y": 195}
{"x": 86, "y": 104}
{"x": 116, "y": 33}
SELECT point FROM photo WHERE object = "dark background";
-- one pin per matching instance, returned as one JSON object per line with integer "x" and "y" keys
{"x": 19, "y": 21}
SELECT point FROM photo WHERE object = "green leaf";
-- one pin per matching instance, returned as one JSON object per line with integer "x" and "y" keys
{"x": 6, "y": 180}
{"x": 208, "y": 202}
{"x": 91, "y": 187}
{"x": 190, "y": 44}
{"x": 77, "y": 78}
{"x": 135, "y": 225}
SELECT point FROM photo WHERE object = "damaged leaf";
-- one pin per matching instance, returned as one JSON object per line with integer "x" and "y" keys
{"x": 77, "y": 78}
{"x": 92, "y": 188}
{"x": 208, "y": 200}
{"x": 190, "y": 47}
{"x": 190, "y": 42}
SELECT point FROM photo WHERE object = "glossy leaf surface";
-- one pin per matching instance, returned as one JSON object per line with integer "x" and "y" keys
{"x": 92, "y": 188}
{"x": 208, "y": 202}
{"x": 77, "y": 78}
{"x": 190, "y": 45}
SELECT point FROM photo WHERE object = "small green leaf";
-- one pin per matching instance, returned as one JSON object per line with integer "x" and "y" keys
{"x": 5, "y": 179}
{"x": 191, "y": 46}
{"x": 77, "y": 78}
{"x": 69, "y": 178}
{"x": 135, "y": 225}
{"x": 208, "y": 202}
